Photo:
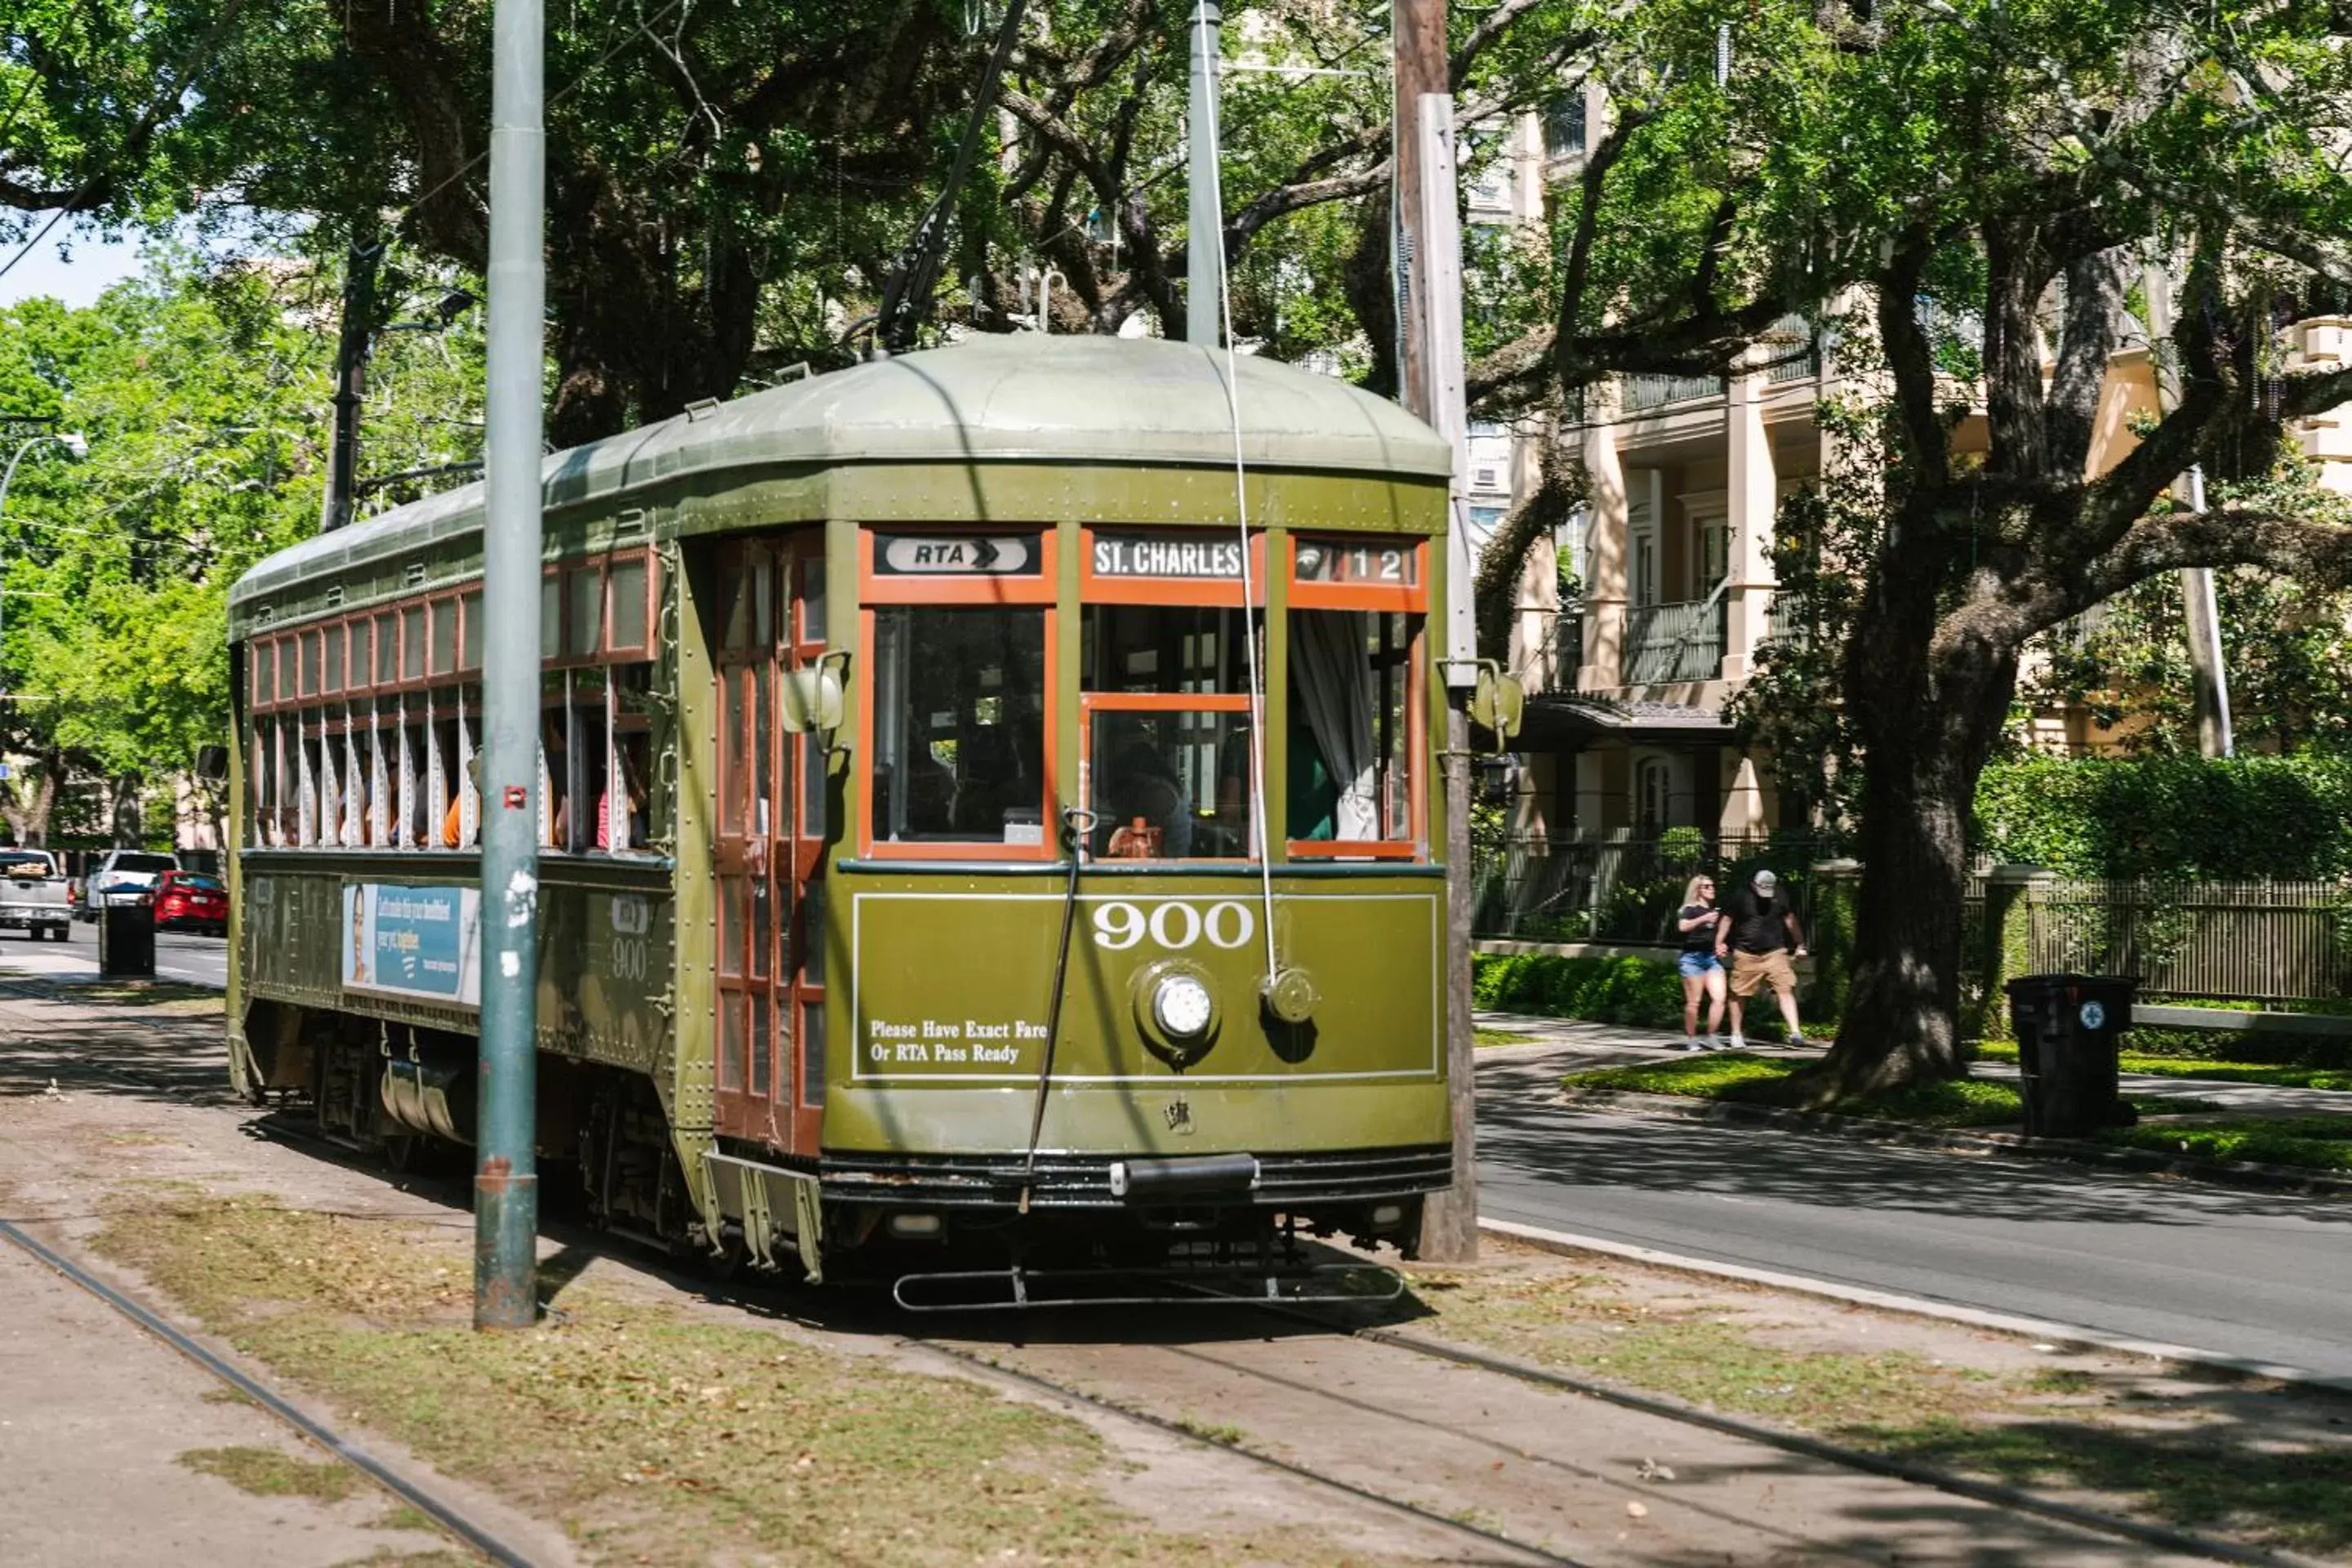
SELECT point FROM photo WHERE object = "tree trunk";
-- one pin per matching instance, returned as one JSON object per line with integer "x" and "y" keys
{"x": 1927, "y": 732}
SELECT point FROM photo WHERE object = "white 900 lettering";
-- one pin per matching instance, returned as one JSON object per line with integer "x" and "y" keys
{"x": 1222, "y": 918}
{"x": 1118, "y": 926}
{"x": 1184, "y": 916}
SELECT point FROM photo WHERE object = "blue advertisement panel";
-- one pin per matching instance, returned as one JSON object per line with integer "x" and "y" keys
{"x": 413, "y": 942}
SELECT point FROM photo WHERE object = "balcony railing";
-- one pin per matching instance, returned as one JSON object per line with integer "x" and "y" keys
{"x": 1567, "y": 646}
{"x": 1647, "y": 391}
{"x": 1673, "y": 641}
{"x": 1791, "y": 622}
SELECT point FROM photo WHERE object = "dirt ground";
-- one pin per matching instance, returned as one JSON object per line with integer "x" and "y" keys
{"x": 140, "y": 1135}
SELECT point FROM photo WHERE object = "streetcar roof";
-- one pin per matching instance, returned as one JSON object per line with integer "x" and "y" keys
{"x": 1024, "y": 397}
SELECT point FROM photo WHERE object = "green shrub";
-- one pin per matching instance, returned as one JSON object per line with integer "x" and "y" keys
{"x": 1604, "y": 990}
{"x": 2218, "y": 818}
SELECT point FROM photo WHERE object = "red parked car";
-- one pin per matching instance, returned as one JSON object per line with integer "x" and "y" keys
{"x": 191, "y": 901}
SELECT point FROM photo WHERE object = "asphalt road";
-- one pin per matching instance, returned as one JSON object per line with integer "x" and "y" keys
{"x": 182, "y": 956}
{"x": 2241, "y": 1273}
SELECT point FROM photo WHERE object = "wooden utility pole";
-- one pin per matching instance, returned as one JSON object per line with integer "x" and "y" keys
{"x": 1429, "y": 315}
{"x": 2201, "y": 613}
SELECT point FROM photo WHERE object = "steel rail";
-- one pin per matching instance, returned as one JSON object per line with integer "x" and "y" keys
{"x": 1286, "y": 1467}
{"x": 442, "y": 1513}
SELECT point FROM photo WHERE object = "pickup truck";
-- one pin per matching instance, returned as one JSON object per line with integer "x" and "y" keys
{"x": 33, "y": 894}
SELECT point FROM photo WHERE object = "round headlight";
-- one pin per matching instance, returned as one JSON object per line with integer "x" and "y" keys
{"x": 1180, "y": 1006}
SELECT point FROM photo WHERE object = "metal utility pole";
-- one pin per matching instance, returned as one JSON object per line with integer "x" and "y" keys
{"x": 2201, "y": 613}
{"x": 1204, "y": 249}
{"x": 506, "y": 1168}
{"x": 350, "y": 382}
{"x": 1429, "y": 272}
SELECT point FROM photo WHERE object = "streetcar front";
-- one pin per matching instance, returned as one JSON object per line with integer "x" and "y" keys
{"x": 1142, "y": 932}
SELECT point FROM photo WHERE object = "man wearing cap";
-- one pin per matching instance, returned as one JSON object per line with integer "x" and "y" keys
{"x": 1756, "y": 934}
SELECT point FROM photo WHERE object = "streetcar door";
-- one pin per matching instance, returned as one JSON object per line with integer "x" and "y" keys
{"x": 768, "y": 848}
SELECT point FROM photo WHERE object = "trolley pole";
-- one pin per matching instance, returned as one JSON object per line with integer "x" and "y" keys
{"x": 505, "y": 1171}
{"x": 1429, "y": 273}
{"x": 1204, "y": 249}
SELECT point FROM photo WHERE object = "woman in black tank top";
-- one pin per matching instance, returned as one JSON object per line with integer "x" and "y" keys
{"x": 1701, "y": 970}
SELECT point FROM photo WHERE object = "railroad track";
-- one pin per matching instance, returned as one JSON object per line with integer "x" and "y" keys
{"x": 2010, "y": 1500}
{"x": 1991, "y": 1494}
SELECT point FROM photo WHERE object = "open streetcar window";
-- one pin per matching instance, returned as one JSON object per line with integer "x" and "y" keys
{"x": 959, "y": 738}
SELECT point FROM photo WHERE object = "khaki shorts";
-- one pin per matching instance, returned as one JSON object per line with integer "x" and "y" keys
{"x": 1751, "y": 972}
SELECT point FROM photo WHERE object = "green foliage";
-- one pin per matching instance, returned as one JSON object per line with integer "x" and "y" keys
{"x": 203, "y": 392}
{"x": 2288, "y": 653}
{"x": 2170, "y": 817}
{"x": 1605, "y": 990}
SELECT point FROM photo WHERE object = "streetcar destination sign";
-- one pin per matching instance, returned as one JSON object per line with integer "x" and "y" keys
{"x": 1169, "y": 556}
{"x": 956, "y": 555}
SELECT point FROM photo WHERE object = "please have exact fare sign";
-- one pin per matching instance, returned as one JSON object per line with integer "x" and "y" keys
{"x": 934, "y": 1042}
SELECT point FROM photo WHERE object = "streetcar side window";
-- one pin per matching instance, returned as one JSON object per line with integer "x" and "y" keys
{"x": 959, "y": 715}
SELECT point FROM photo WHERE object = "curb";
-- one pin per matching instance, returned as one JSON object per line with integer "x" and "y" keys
{"x": 2072, "y": 1336}
{"x": 1867, "y": 1130}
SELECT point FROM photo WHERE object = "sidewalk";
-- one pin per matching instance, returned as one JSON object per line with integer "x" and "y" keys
{"x": 99, "y": 1418}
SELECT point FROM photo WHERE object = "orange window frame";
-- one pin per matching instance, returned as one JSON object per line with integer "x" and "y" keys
{"x": 1037, "y": 591}
{"x": 1412, "y": 599}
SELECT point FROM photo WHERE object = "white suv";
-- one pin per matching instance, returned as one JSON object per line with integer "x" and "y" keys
{"x": 122, "y": 872}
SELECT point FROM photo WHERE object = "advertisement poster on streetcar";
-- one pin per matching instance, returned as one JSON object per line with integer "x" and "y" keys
{"x": 413, "y": 942}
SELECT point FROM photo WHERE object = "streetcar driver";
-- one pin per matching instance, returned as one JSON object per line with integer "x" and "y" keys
{"x": 1151, "y": 818}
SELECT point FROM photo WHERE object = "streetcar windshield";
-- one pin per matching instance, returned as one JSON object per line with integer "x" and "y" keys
{"x": 1167, "y": 717}
{"x": 960, "y": 725}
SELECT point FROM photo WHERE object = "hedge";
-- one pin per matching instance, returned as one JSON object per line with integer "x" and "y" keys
{"x": 1604, "y": 990}
{"x": 2220, "y": 819}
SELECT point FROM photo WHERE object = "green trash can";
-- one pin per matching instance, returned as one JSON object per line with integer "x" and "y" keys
{"x": 2069, "y": 1030}
{"x": 126, "y": 937}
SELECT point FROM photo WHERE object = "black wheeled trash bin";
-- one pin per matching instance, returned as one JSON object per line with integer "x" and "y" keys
{"x": 2069, "y": 1030}
{"x": 126, "y": 938}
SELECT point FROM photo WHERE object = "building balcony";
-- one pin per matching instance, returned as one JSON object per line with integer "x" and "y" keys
{"x": 1644, "y": 393}
{"x": 1666, "y": 644}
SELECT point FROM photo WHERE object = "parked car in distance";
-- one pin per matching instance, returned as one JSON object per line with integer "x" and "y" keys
{"x": 33, "y": 898}
{"x": 192, "y": 900}
{"x": 120, "y": 872}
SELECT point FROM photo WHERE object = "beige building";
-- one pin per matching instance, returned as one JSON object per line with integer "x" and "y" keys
{"x": 1626, "y": 736}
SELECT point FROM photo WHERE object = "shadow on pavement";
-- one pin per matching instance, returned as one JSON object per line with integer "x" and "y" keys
{"x": 1523, "y": 1126}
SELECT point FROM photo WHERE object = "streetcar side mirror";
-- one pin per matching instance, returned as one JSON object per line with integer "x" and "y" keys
{"x": 212, "y": 763}
{"x": 1499, "y": 702}
{"x": 810, "y": 697}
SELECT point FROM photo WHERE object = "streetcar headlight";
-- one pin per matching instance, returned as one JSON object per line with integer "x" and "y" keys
{"x": 1181, "y": 1007}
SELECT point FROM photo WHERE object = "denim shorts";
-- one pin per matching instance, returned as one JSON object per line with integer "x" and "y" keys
{"x": 1691, "y": 966}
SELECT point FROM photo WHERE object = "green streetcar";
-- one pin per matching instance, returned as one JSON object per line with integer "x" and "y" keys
{"x": 963, "y": 838}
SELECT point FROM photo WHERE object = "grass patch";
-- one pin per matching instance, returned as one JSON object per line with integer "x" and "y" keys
{"x": 2192, "y": 1473}
{"x": 1739, "y": 1077}
{"x": 653, "y": 1436}
{"x": 1500, "y": 1037}
{"x": 267, "y": 1472}
{"x": 2306, "y": 1142}
{"x": 2189, "y": 1067}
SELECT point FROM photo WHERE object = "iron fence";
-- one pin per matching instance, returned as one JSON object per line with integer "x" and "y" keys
{"x": 2258, "y": 941}
{"x": 1622, "y": 891}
